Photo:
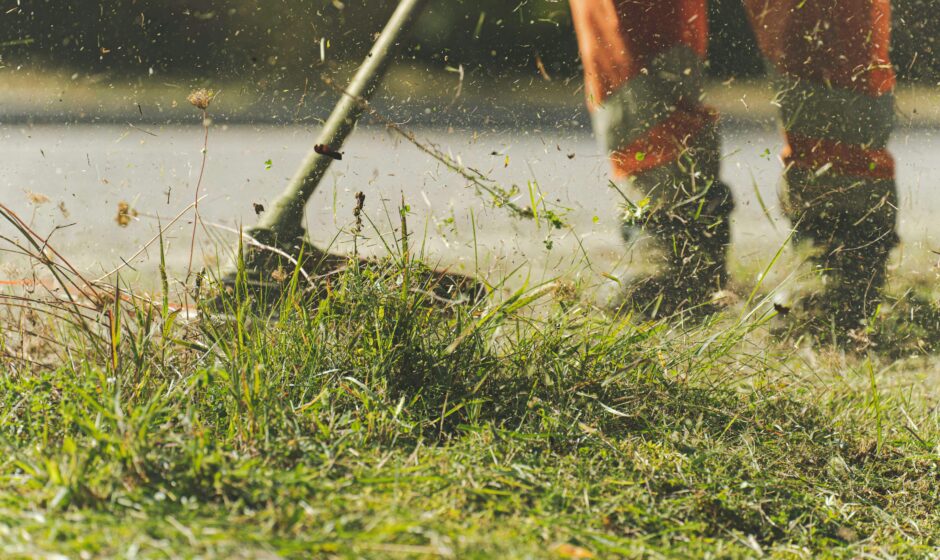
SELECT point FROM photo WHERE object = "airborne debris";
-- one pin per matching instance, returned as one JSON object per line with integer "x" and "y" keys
{"x": 541, "y": 68}
{"x": 325, "y": 150}
{"x": 279, "y": 274}
{"x": 37, "y": 198}
{"x": 125, "y": 214}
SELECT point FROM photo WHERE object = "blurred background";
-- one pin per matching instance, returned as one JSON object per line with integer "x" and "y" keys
{"x": 275, "y": 44}
{"x": 271, "y": 52}
{"x": 93, "y": 113}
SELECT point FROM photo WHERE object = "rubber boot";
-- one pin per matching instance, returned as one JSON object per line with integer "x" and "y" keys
{"x": 686, "y": 214}
{"x": 851, "y": 225}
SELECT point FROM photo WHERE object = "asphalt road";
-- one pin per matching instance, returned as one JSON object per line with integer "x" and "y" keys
{"x": 77, "y": 175}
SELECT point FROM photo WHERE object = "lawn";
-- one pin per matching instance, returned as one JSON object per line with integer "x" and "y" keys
{"x": 376, "y": 421}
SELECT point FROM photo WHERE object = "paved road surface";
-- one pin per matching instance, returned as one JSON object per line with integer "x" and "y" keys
{"x": 85, "y": 171}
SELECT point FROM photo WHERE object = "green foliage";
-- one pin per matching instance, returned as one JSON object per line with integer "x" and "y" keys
{"x": 377, "y": 421}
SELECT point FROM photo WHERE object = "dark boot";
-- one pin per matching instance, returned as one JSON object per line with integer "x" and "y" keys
{"x": 851, "y": 224}
{"x": 688, "y": 220}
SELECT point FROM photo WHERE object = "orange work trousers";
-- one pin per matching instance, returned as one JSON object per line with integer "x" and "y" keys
{"x": 644, "y": 65}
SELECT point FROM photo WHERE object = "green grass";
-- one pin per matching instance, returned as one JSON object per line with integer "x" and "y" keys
{"x": 377, "y": 423}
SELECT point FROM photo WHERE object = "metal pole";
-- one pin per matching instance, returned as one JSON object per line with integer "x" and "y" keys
{"x": 283, "y": 223}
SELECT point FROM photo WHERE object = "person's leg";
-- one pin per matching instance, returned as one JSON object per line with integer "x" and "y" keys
{"x": 835, "y": 81}
{"x": 644, "y": 65}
